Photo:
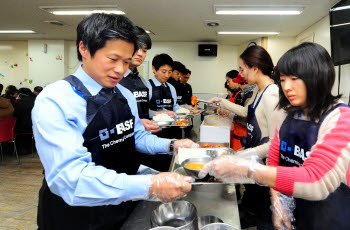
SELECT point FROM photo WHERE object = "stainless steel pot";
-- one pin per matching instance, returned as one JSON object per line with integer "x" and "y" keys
{"x": 163, "y": 228}
{"x": 218, "y": 226}
{"x": 179, "y": 214}
{"x": 205, "y": 220}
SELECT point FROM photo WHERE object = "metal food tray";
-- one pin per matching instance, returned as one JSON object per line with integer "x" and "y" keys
{"x": 191, "y": 114}
{"x": 164, "y": 124}
{"x": 174, "y": 167}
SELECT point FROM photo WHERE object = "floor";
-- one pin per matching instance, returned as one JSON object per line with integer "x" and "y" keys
{"x": 19, "y": 187}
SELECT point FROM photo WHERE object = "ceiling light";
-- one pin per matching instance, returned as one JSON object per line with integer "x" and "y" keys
{"x": 246, "y": 33}
{"x": 17, "y": 32}
{"x": 81, "y": 10}
{"x": 254, "y": 10}
{"x": 341, "y": 8}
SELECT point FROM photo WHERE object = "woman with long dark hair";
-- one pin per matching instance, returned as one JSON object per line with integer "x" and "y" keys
{"x": 256, "y": 67}
{"x": 309, "y": 156}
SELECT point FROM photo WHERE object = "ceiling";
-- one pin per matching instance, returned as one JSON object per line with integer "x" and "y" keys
{"x": 169, "y": 20}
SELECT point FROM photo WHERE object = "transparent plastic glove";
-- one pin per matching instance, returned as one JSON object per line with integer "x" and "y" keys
{"x": 215, "y": 100}
{"x": 223, "y": 112}
{"x": 247, "y": 153}
{"x": 282, "y": 207}
{"x": 167, "y": 187}
{"x": 170, "y": 113}
{"x": 189, "y": 108}
{"x": 184, "y": 143}
{"x": 150, "y": 126}
{"x": 231, "y": 169}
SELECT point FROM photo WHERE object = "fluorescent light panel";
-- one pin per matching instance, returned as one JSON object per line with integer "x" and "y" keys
{"x": 255, "y": 10}
{"x": 246, "y": 33}
{"x": 341, "y": 8}
{"x": 85, "y": 12}
{"x": 17, "y": 32}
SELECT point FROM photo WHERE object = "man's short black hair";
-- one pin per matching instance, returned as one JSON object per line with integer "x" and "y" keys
{"x": 232, "y": 74}
{"x": 96, "y": 29}
{"x": 186, "y": 71}
{"x": 179, "y": 67}
{"x": 25, "y": 91}
{"x": 143, "y": 38}
{"x": 162, "y": 59}
{"x": 38, "y": 89}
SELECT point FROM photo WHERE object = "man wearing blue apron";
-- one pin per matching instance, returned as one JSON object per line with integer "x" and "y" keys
{"x": 330, "y": 213}
{"x": 87, "y": 129}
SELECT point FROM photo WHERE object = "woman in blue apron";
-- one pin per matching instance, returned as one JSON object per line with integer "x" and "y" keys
{"x": 309, "y": 153}
{"x": 256, "y": 67}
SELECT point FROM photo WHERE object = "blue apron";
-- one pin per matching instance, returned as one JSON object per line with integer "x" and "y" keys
{"x": 254, "y": 138}
{"x": 134, "y": 83}
{"x": 109, "y": 136}
{"x": 161, "y": 97}
{"x": 296, "y": 139}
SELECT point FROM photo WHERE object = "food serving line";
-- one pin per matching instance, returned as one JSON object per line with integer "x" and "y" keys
{"x": 209, "y": 197}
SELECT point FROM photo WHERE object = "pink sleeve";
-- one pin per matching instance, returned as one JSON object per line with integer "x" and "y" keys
{"x": 273, "y": 155}
{"x": 325, "y": 168}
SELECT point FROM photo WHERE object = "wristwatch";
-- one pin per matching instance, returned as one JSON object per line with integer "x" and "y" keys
{"x": 171, "y": 145}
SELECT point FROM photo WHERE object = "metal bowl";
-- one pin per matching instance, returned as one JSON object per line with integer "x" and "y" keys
{"x": 194, "y": 172}
{"x": 163, "y": 228}
{"x": 218, "y": 226}
{"x": 205, "y": 220}
{"x": 164, "y": 123}
{"x": 179, "y": 214}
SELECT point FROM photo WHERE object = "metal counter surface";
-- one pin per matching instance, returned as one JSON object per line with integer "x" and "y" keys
{"x": 217, "y": 200}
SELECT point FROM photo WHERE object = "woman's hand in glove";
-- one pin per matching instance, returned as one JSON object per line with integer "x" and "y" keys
{"x": 280, "y": 218}
{"x": 167, "y": 187}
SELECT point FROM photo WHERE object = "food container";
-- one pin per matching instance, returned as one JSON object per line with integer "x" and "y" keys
{"x": 205, "y": 220}
{"x": 191, "y": 165}
{"x": 218, "y": 226}
{"x": 179, "y": 214}
{"x": 215, "y": 129}
{"x": 163, "y": 228}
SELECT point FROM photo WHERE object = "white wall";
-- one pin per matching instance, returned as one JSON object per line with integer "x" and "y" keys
{"x": 321, "y": 33}
{"x": 208, "y": 73}
{"x": 46, "y": 67}
{"x": 277, "y": 46}
{"x": 11, "y": 53}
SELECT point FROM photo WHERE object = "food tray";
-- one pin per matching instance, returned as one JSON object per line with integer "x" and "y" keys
{"x": 192, "y": 113}
{"x": 164, "y": 124}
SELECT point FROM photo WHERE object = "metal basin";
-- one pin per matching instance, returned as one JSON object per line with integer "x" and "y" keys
{"x": 179, "y": 214}
{"x": 205, "y": 220}
{"x": 163, "y": 228}
{"x": 218, "y": 226}
{"x": 194, "y": 172}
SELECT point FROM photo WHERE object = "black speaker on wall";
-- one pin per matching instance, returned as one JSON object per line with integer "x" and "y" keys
{"x": 210, "y": 50}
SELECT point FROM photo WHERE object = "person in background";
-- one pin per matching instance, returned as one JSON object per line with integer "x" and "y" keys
{"x": 1, "y": 88}
{"x": 229, "y": 91}
{"x": 6, "y": 108}
{"x": 134, "y": 82}
{"x": 233, "y": 86}
{"x": 11, "y": 93}
{"x": 23, "y": 112}
{"x": 256, "y": 67}
{"x": 37, "y": 90}
{"x": 184, "y": 91}
{"x": 87, "y": 131}
{"x": 177, "y": 72}
{"x": 309, "y": 154}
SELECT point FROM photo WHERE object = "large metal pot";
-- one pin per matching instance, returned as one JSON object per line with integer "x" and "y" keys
{"x": 218, "y": 226}
{"x": 179, "y": 214}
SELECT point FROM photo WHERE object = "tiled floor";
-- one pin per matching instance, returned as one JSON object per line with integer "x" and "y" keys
{"x": 19, "y": 187}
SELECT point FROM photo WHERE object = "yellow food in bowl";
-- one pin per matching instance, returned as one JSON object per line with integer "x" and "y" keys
{"x": 194, "y": 165}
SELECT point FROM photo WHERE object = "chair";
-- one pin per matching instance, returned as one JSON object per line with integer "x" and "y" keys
{"x": 7, "y": 125}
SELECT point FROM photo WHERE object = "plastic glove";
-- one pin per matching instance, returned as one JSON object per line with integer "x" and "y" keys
{"x": 170, "y": 113}
{"x": 247, "y": 153}
{"x": 231, "y": 169}
{"x": 223, "y": 112}
{"x": 167, "y": 187}
{"x": 150, "y": 126}
{"x": 189, "y": 108}
{"x": 184, "y": 143}
{"x": 215, "y": 100}
{"x": 282, "y": 207}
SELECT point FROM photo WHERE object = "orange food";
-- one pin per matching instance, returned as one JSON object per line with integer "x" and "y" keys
{"x": 210, "y": 146}
{"x": 194, "y": 165}
{"x": 195, "y": 112}
{"x": 194, "y": 101}
{"x": 182, "y": 122}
